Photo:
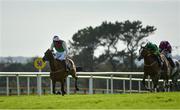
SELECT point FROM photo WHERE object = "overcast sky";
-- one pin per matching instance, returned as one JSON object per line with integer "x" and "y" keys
{"x": 27, "y": 26}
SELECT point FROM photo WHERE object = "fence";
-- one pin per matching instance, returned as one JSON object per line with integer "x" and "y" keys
{"x": 108, "y": 76}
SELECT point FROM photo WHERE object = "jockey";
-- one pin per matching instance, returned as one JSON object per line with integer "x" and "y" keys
{"x": 61, "y": 50}
{"x": 155, "y": 51}
{"x": 167, "y": 49}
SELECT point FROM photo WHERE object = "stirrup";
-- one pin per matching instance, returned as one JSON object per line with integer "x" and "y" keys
{"x": 67, "y": 69}
{"x": 160, "y": 64}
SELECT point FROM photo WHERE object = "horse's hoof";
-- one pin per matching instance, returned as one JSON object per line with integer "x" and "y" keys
{"x": 54, "y": 92}
{"x": 58, "y": 92}
{"x": 63, "y": 93}
{"x": 77, "y": 89}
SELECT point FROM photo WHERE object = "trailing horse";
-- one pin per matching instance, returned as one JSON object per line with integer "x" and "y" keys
{"x": 152, "y": 68}
{"x": 175, "y": 75}
{"x": 175, "y": 72}
{"x": 58, "y": 71}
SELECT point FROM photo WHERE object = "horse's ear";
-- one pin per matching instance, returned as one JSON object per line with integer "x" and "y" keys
{"x": 141, "y": 46}
{"x": 49, "y": 50}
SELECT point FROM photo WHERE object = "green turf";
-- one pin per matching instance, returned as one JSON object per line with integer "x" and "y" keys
{"x": 112, "y": 101}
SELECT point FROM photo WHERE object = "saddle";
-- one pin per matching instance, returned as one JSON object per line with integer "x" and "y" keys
{"x": 68, "y": 63}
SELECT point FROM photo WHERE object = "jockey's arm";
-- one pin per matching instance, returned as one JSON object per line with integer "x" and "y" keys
{"x": 52, "y": 46}
{"x": 65, "y": 47}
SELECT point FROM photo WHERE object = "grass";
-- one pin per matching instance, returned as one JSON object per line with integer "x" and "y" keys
{"x": 99, "y": 101}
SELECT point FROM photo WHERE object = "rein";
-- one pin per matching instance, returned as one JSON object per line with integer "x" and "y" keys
{"x": 150, "y": 64}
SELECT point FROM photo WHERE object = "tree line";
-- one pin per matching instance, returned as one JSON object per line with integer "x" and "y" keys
{"x": 108, "y": 36}
{"x": 117, "y": 42}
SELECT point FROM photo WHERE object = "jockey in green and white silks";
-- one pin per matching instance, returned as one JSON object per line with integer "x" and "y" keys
{"x": 60, "y": 47}
{"x": 153, "y": 48}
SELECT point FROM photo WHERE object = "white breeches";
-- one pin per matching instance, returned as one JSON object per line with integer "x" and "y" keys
{"x": 60, "y": 55}
{"x": 167, "y": 54}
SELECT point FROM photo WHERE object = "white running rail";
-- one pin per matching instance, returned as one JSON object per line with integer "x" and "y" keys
{"x": 108, "y": 76}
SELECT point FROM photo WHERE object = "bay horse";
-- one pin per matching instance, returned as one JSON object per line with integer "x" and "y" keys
{"x": 58, "y": 71}
{"x": 152, "y": 68}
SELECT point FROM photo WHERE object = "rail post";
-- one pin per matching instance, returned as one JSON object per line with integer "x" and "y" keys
{"x": 17, "y": 79}
{"x": 51, "y": 87}
{"x": 91, "y": 84}
{"x": 7, "y": 86}
{"x": 124, "y": 86}
{"x": 139, "y": 86}
{"x": 111, "y": 84}
{"x": 130, "y": 83}
{"x": 39, "y": 84}
{"x": 28, "y": 85}
{"x": 107, "y": 86}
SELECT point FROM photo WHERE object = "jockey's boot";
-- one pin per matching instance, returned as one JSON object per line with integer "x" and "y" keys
{"x": 171, "y": 62}
{"x": 66, "y": 66}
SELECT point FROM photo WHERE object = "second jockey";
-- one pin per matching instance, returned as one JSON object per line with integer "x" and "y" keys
{"x": 166, "y": 48}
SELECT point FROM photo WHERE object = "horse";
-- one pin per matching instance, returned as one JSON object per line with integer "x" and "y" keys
{"x": 58, "y": 71}
{"x": 175, "y": 75}
{"x": 175, "y": 71}
{"x": 152, "y": 68}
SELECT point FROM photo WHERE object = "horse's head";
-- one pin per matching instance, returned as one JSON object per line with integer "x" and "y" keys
{"x": 143, "y": 51}
{"x": 48, "y": 55}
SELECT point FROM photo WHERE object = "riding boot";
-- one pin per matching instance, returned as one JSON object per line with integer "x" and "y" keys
{"x": 66, "y": 66}
{"x": 171, "y": 62}
{"x": 64, "y": 63}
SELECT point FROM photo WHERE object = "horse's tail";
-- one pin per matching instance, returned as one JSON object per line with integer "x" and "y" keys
{"x": 77, "y": 68}
{"x": 71, "y": 63}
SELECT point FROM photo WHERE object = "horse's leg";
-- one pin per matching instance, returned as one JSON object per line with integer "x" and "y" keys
{"x": 62, "y": 88}
{"x": 156, "y": 83}
{"x": 76, "y": 84}
{"x": 166, "y": 79}
{"x": 54, "y": 87}
{"x": 167, "y": 84}
{"x": 144, "y": 82}
{"x": 75, "y": 77}
{"x": 174, "y": 83}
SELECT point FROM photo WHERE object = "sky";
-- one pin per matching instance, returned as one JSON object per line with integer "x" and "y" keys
{"x": 28, "y": 26}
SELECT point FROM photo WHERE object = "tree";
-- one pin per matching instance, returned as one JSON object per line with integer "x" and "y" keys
{"x": 84, "y": 43}
{"x": 108, "y": 35}
{"x": 132, "y": 35}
